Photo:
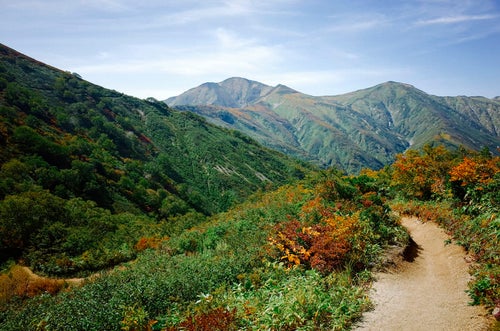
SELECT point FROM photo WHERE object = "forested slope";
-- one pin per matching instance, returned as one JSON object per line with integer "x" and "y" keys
{"x": 86, "y": 170}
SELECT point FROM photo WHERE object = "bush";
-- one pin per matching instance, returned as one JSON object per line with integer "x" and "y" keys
{"x": 276, "y": 298}
{"x": 215, "y": 319}
{"x": 19, "y": 282}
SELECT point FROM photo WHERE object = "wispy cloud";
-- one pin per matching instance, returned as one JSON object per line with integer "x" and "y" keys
{"x": 358, "y": 25}
{"x": 226, "y": 54}
{"x": 455, "y": 19}
{"x": 217, "y": 10}
{"x": 352, "y": 23}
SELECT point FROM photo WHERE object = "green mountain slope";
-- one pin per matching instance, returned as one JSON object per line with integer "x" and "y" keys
{"x": 179, "y": 148}
{"x": 422, "y": 118}
{"x": 364, "y": 128}
{"x": 73, "y": 153}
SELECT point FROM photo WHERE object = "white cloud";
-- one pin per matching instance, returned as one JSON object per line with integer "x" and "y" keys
{"x": 225, "y": 54}
{"x": 217, "y": 11}
{"x": 359, "y": 24}
{"x": 456, "y": 19}
{"x": 230, "y": 62}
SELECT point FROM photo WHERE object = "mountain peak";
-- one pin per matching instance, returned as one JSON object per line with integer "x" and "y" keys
{"x": 239, "y": 80}
{"x": 283, "y": 89}
{"x": 397, "y": 84}
{"x": 232, "y": 92}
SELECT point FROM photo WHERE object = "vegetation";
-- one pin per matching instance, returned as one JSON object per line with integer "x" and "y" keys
{"x": 361, "y": 129}
{"x": 236, "y": 271}
{"x": 460, "y": 191}
{"x": 177, "y": 224}
{"x": 86, "y": 172}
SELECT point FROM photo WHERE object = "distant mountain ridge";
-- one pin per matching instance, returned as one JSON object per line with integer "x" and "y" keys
{"x": 364, "y": 128}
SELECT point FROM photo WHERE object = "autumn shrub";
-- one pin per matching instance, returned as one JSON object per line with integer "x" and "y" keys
{"x": 337, "y": 227}
{"x": 148, "y": 243}
{"x": 218, "y": 319}
{"x": 423, "y": 174}
{"x": 475, "y": 173}
{"x": 320, "y": 246}
{"x": 334, "y": 188}
{"x": 18, "y": 282}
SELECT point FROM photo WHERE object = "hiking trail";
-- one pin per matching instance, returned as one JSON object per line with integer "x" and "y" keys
{"x": 427, "y": 290}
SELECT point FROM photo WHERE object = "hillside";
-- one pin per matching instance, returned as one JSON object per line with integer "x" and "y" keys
{"x": 124, "y": 194}
{"x": 80, "y": 166}
{"x": 365, "y": 128}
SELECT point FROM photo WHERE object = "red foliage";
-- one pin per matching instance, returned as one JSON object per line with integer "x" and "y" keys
{"x": 216, "y": 319}
{"x": 148, "y": 242}
{"x": 321, "y": 246}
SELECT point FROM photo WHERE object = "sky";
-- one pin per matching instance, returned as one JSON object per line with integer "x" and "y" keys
{"x": 161, "y": 48}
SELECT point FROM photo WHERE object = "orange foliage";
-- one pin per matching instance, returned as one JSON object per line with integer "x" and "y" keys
{"x": 20, "y": 282}
{"x": 320, "y": 240}
{"x": 423, "y": 174}
{"x": 297, "y": 193}
{"x": 370, "y": 172}
{"x": 148, "y": 242}
{"x": 477, "y": 171}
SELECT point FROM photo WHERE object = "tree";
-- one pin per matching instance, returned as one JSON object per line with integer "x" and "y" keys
{"x": 423, "y": 174}
{"x": 474, "y": 174}
{"x": 22, "y": 215}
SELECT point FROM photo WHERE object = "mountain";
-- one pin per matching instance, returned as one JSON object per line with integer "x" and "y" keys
{"x": 365, "y": 128}
{"x": 82, "y": 166}
{"x": 233, "y": 92}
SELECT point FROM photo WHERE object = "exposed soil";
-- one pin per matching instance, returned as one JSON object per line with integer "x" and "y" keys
{"x": 69, "y": 281}
{"x": 426, "y": 289}
{"x": 21, "y": 282}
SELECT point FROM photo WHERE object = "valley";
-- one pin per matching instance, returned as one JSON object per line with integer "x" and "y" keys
{"x": 249, "y": 208}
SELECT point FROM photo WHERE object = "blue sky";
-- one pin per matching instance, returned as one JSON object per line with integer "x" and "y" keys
{"x": 319, "y": 47}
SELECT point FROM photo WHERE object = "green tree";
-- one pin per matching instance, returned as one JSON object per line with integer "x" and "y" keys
{"x": 22, "y": 215}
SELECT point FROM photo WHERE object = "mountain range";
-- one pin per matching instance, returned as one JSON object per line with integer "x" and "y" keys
{"x": 365, "y": 128}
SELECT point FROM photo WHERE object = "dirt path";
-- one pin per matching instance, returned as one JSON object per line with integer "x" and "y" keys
{"x": 428, "y": 293}
{"x": 70, "y": 281}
